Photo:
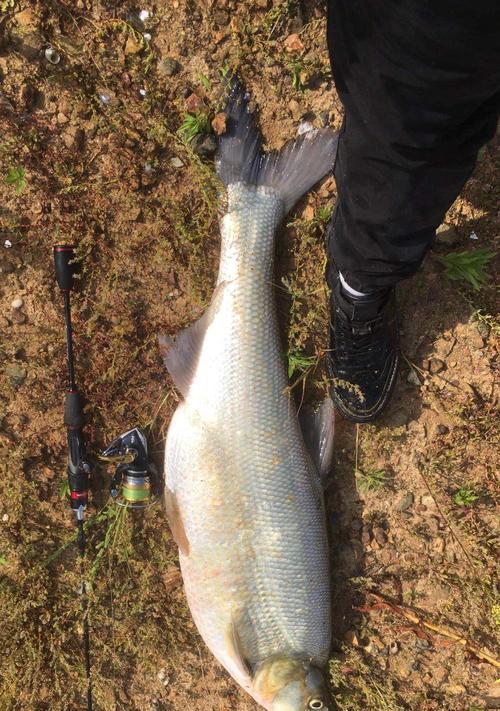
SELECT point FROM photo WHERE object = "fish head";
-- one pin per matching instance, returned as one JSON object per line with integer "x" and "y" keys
{"x": 286, "y": 684}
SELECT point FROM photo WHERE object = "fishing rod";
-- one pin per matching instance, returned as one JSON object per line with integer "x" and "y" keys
{"x": 79, "y": 468}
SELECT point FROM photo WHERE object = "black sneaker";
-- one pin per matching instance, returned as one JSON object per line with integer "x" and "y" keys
{"x": 364, "y": 352}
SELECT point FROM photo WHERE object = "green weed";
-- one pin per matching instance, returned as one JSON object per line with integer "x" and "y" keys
{"x": 371, "y": 480}
{"x": 205, "y": 81}
{"x": 465, "y": 496}
{"x": 299, "y": 363}
{"x": 16, "y": 178}
{"x": 299, "y": 76}
{"x": 468, "y": 266}
{"x": 193, "y": 125}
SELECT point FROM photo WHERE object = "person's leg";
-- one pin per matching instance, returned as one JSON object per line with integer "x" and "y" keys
{"x": 420, "y": 83}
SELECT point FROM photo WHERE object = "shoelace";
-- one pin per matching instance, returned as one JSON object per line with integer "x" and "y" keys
{"x": 359, "y": 343}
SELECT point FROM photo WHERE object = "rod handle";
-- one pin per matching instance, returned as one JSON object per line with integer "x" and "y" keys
{"x": 73, "y": 409}
{"x": 66, "y": 267}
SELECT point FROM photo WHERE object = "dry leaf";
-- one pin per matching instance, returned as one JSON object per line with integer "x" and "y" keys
{"x": 219, "y": 123}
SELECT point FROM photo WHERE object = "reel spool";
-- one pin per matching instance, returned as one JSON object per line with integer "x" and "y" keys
{"x": 135, "y": 481}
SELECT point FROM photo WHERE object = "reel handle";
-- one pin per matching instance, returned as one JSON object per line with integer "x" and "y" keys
{"x": 65, "y": 266}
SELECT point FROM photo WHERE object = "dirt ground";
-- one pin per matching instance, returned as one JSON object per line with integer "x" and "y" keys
{"x": 92, "y": 97}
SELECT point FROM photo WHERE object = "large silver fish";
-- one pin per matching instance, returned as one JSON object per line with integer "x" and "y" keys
{"x": 243, "y": 491}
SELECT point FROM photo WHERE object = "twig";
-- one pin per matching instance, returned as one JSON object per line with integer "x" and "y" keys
{"x": 418, "y": 621}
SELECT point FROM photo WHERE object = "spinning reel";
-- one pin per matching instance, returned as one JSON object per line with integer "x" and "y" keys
{"x": 135, "y": 481}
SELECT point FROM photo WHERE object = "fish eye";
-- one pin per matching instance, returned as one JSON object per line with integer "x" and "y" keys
{"x": 316, "y": 704}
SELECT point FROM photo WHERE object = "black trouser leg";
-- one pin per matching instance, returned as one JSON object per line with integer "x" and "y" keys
{"x": 420, "y": 83}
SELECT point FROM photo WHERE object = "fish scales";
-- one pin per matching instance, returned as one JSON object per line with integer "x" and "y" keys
{"x": 245, "y": 485}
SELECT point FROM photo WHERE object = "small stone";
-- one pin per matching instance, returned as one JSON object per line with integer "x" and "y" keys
{"x": 393, "y": 647}
{"x": 18, "y": 317}
{"x": 447, "y": 235}
{"x": 380, "y": 535}
{"x": 176, "y": 162}
{"x": 168, "y": 66}
{"x": 5, "y": 518}
{"x": 483, "y": 329}
{"x": 413, "y": 378}
{"x": 295, "y": 108}
{"x": 221, "y": 18}
{"x": 16, "y": 375}
{"x": 193, "y": 102}
{"x": 294, "y": 44}
{"x": 454, "y": 689}
{"x": 62, "y": 118}
{"x": 474, "y": 339}
{"x": 17, "y": 303}
{"x": 428, "y": 502}
{"x": 308, "y": 213}
{"x": 405, "y": 502}
{"x": 25, "y": 18}
{"x": 204, "y": 145}
{"x": 438, "y": 545}
{"x": 436, "y": 365}
{"x": 351, "y": 638}
{"x": 52, "y": 55}
{"x": 442, "y": 430}
{"x": 132, "y": 45}
{"x": 74, "y": 138}
{"x": 324, "y": 118}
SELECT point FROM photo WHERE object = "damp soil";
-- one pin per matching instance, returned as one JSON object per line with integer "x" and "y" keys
{"x": 92, "y": 97}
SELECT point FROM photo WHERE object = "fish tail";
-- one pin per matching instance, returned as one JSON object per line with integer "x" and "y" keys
{"x": 292, "y": 171}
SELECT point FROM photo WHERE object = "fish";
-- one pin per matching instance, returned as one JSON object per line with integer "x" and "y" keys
{"x": 243, "y": 489}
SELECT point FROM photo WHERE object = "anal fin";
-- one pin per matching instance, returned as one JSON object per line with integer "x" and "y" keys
{"x": 318, "y": 430}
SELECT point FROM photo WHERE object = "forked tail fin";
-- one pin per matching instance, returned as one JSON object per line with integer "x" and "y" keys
{"x": 292, "y": 171}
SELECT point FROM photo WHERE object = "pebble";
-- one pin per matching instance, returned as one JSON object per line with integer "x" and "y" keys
{"x": 413, "y": 378}
{"x": 74, "y": 138}
{"x": 393, "y": 647}
{"x": 447, "y": 235}
{"x": 204, "y": 145}
{"x": 168, "y": 66}
{"x": 16, "y": 375}
{"x": 351, "y": 638}
{"x": 483, "y": 329}
{"x": 436, "y": 365}
{"x": 428, "y": 502}
{"x": 404, "y": 502}
{"x": 52, "y": 55}
{"x": 132, "y": 46}
{"x": 295, "y": 108}
{"x": 18, "y": 316}
{"x": 176, "y": 162}
{"x": 380, "y": 535}
{"x": 17, "y": 303}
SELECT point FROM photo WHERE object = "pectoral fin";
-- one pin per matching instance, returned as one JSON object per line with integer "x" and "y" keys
{"x": 175, "y": 521}
{"x": 181, "y": 354}
{"x": 318, "y": 430}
